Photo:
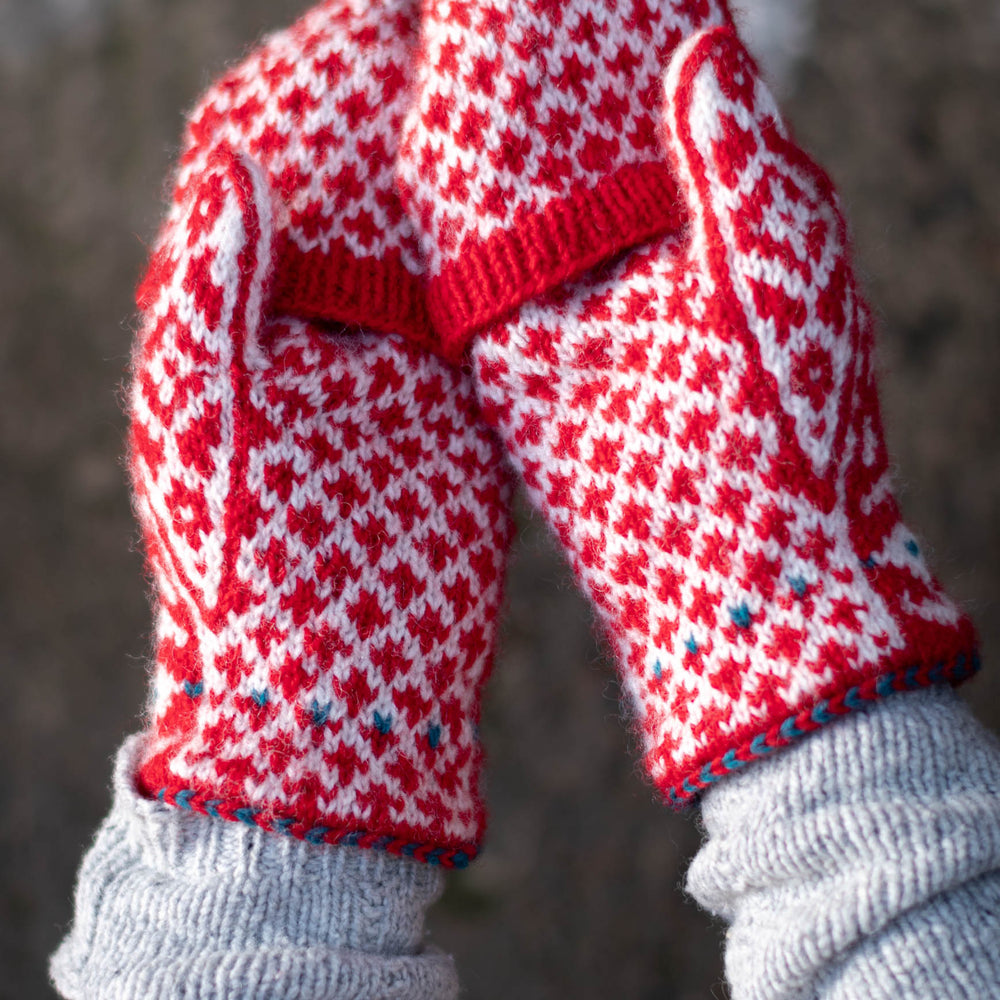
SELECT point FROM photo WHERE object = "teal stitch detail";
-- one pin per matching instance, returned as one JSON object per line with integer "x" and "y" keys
{"x": 320, "y": 713}
{"x": 912, "y": 547}
{"x": 789, "y": 730}
{"x": 261, "y": 698}
{"x": 434, "y": 736}
{"x": 316, "y": 834}
{"x": 706, "y": 775}
{"x": 246, "y": 815}
{"x": 194, "y": 690}
{"x": 741, "y": 616}
{"x": 798, "y": 585}
{"x": 822, "y": 714}
{"x": 658, "y": 670}
{"x": 183, "y": 798}
{"x": 853, "y": 699}
{"x": 692, "y": 646}
{"x": 212, "y": 807}
{"x": 383, "y": 723}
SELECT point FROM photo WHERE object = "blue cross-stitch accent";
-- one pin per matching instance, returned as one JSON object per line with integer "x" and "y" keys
{"x": 246, "y": 815}
{"x": 658, "y": 670}
{"x": 383, "y": 723}
{"x": 183, "y": 798}
{"x": 320, "y": 713}
{"x": 316, "y": 834}
{"x": 692, "y": 646}
{"x": 212, "y": 807}
{"x": 741, "y": 616}
{"x": 869, "y": 563}
{"x": 434, "y": 736}
{"x": 194, "y": 690}
{"x": 913, "y": 548}
{"x": 798, "y": 585}
{"x": 261, "y": 698}
{"x": 283, "y": 825}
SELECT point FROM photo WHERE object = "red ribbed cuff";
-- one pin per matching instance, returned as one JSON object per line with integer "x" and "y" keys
{"x": 338, "y": 287}
{"x": 543, "y": 249}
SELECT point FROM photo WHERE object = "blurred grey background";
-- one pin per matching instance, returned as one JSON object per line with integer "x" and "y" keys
{"x": 577, "y": 894}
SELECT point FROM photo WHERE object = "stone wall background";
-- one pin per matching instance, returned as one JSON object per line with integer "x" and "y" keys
{"x": 577, "y": 894}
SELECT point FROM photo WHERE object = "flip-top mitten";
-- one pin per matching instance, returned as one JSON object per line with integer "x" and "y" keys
{"x": 698, "y": 420}
{"x": 324, "y": 513}
{"x": 325, "y": 519}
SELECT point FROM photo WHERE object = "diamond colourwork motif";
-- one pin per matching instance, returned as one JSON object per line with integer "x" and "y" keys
{"x": 699, "y": 423}
{"x": 326, "y": 520}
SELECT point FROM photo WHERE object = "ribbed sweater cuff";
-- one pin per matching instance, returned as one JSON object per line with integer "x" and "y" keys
{"x": 862, "y": 862}
{"x": 172, "y": 904}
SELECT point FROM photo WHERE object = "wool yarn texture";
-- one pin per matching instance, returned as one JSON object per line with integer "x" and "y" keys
{"x": 698, "y": 420}
{"x": 531, "y": 150}
{"x": 325, "y": 514}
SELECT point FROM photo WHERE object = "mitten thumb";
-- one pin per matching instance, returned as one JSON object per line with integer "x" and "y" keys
{"x": 717, "y": 109}
{"x": 202, "y": 299}
{"x": 211, "y": 271}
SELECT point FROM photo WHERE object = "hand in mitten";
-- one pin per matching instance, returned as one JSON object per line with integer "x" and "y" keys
{"x": 698, "y": 421}
{"x": 326, "y": 523}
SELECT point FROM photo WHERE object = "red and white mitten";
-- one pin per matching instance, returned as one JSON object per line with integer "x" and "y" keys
{"x": 531, "y": 151}
{"x": 325, "y": 515}
{"x": 699, "y": 422}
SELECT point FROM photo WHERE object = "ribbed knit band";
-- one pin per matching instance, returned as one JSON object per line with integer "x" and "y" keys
{"x": 864, "y": 862}
{"x": 171, "y": 904}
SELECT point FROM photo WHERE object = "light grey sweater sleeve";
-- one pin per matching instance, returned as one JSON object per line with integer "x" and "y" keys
{"x": 864, "y": 863}
{"x": 171, "y": 904}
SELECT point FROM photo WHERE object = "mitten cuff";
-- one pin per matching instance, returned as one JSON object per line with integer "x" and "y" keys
{"x": 171, "y": 904}
{"x": 546, "y": 247}
{"x": 731, "y": 751}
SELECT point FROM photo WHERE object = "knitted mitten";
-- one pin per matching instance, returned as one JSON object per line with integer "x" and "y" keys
{"x": 325, "y": 517}
{"x": 699, "y": 423}
{"x": 531, "y": 153}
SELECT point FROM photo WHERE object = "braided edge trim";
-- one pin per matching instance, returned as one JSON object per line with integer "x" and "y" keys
{"x": 809, "y": 720}
{"x": 343, "y": 836}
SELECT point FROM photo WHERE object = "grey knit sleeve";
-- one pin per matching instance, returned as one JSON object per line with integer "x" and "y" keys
{"x": 863, "y": 863}
{"x": 172, "y": 904}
